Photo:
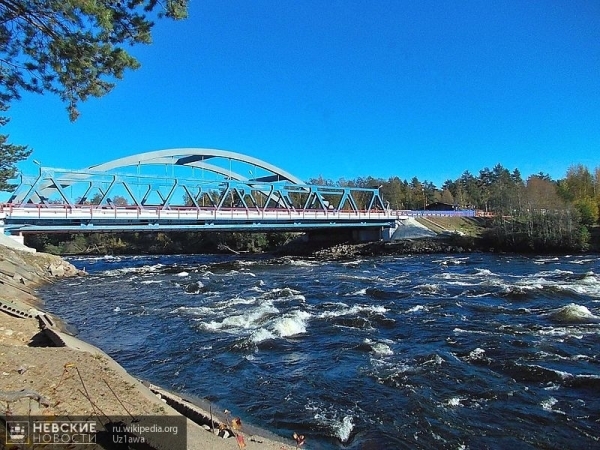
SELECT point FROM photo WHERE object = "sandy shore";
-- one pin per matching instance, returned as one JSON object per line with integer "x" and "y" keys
{"x": 44, "y": 372}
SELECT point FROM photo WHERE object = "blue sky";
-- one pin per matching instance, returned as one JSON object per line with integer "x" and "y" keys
{"x": 348, "y": 89}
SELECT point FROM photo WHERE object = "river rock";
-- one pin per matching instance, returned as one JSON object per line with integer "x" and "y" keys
{"x": 56, "y": 270}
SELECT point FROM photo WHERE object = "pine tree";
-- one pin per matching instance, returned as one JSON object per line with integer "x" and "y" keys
{"x": 75, "y": 48}
{"x": 10, "y": 154}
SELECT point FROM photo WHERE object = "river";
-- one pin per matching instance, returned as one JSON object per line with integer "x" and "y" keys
{"x": 461, "y": 351}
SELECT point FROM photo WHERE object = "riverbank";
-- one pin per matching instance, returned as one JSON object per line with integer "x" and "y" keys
{"x": 450, "y": 235}
{"x": 440, "y": 235}
{"x": 46, "y": 372}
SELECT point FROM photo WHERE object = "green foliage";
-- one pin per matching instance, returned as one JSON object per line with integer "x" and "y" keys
{"x": 584, "y": 238}
{"x": 538, "y": 231}
{"x": 10, "y": 154}
{"x": 588, "y": 210}
{"x": 157, "y": 243}
{"x": 40, "y": 242}
{"x": 447, "y": 197}
{"x": 578, "y": 184}
{"x": 72, "y": 48}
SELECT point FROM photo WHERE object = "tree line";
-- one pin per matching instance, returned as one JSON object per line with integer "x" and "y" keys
{"x": 495, "y": 190}
{"x": 535, "y": 214}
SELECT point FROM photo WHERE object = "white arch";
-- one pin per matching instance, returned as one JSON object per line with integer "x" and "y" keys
{"x": 196, "y": 157}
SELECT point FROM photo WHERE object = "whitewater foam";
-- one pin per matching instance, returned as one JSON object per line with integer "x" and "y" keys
{"x": 340, "y": 428}
{"x": 355, "y": 262}
{"x": 261, "y": 335}
{"x": 194, "y": 310}
{"x": 379, "y": 348}
{"x": 292, "y": 324}
{"x": 251, "y": 320}
{"x": 128, "y": 270}
{"x": 477, "y": 355}
{"x": 427, "y": 288}
{"x": 454, "y": 401}
{"x": 360, "y": 292}
{"x": 552, "y": 273}
{"x": 484, "y": 272}
{"x": 545, "y": 260}
{"x": 237, "y": 301}
{"x": 303, "y": 263}
{"x": 563, "y": 332}
{"x": 451, "y": 261}
{"x": 548, "y": 404}
{"x": 344, "y": 428}
{"x": 582, "y": 261}
{"x": 345, "y": 310}
{"x": 283, "y": 293}
{"x": 574, "y": 313}
{"x": 587, "y": 283}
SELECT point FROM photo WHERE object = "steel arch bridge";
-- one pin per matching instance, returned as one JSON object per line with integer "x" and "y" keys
{"x": 186, "y": 189}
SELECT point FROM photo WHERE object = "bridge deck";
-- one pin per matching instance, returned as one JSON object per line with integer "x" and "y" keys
{"x": 92, "y": 218}
{"x": 60, "y": 218}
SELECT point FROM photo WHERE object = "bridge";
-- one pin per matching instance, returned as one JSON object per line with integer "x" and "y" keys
{"x": 189, "y": 189}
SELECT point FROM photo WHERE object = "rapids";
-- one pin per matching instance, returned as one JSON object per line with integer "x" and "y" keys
{"x": 427, "y": 351}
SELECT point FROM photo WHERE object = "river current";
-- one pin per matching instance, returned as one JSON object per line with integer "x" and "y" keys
{"x": 429, "y": 351}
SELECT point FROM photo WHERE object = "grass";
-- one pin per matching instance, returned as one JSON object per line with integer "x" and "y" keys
{"x": 470, "y": 226}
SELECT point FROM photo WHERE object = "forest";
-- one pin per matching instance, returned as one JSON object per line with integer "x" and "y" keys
{"x": 538, "y": 214}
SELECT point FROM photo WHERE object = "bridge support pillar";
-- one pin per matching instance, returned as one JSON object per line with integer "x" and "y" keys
{"x": 13, "y": 240}
{"x": 387, "y": 233}
{"x": 19, "y": 238}
{"x": 16, "y": 241}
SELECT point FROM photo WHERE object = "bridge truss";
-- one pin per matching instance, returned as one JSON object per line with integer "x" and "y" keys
{"x": 186, "y": 189}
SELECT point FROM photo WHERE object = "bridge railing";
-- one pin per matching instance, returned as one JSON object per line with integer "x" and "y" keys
{"x": 421, "y": 213}
{"x": 89, "y": 212}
